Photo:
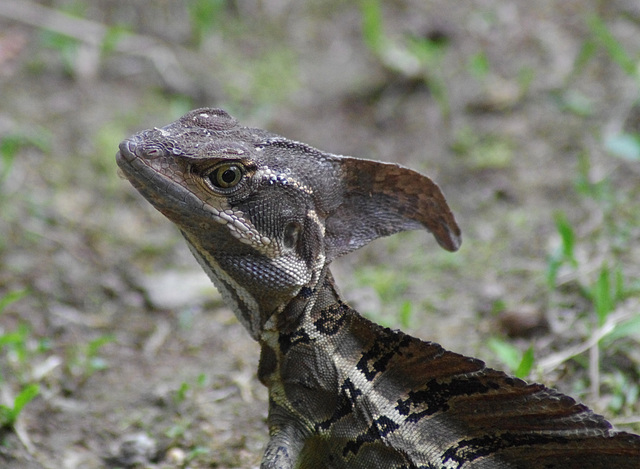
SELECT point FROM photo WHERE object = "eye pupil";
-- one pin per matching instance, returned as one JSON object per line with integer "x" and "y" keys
{"x": 226, "y": 176}
{"x": 229, "y": 176}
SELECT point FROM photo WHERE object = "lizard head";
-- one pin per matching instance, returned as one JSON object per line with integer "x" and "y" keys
{"x": 263, "y": 214}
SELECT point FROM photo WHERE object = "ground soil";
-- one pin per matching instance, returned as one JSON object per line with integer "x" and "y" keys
{"x": 173, "y": 384}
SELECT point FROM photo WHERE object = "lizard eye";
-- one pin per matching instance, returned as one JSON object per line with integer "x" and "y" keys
{"x": 226, "y": 175}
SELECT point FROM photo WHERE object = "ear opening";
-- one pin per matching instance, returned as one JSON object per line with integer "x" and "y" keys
{"x": 381, "y": 199}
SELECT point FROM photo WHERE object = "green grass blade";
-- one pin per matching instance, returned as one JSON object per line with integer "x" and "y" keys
{"x": 526, "y": 363}
{"x": 613, "y": 47}
{"x": 11, "y": 297}
{"x": 372, "y": 27}
{"x": 506, "y": 352}
{"x": 603, "y": 301}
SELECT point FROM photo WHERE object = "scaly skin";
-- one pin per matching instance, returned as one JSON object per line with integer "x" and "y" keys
{"x": 265, "y": 216}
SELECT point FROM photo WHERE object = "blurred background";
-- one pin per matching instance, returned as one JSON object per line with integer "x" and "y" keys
{"x": 114, "y": 349}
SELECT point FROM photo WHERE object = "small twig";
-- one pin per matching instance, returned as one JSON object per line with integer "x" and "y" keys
{"x": 23, "y": 436}
{"x": 553, "y": 361}
{"x": 159, "y": 336}
{"x": 92, "y": 33}
{"x": 634, "y": 419}
{"x": 594, "y": 371}
{"x": 43, "y": 17}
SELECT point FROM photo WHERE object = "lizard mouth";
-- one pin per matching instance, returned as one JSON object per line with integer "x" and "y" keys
{"x": 126, "y": 158}
{"x": 129, "y": 158}
{"x": 135, "y": 168}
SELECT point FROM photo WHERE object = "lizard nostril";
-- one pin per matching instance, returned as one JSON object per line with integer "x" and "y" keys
{"x": 128, "y": 147}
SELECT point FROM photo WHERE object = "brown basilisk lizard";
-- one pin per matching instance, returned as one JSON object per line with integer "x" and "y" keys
{"x": 265, "y": 216}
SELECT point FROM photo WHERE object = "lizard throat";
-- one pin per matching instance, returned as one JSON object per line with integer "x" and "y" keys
{"x": 243, "y": 304}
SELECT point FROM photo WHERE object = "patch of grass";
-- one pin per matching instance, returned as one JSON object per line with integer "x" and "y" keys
{"x": 20, "y": 349}
{"x": 564, "y": 254}
{"x": 598, "y": 275}
{"x": 390, "y": 288}
{"x": 405, "y": 313}
{"x": 588, "y": 270}
{"x": 204, "y": 15}
{"x": 111, "y": 38}
{"x": 602, "y": 36}
{"x": 184, "y": 401}
{"x": 574, "y": 102}
{"x": 605, "y": 287}
{"x": 64, "y": 45}
{"x": 83, "y": 360}
{"x": 16, "y": 365}
{"x": 625, "y": 145}
{"x": 262, "y": 79}
{"x": 520, "y": 363}
{"x": 625, "y": 391}
{"x": 11, "y": 145}
{"x": 11, "y": 297}
{"x": 388, "y": 285}
{"x": 478, "y": 65}
{"x": 412, "y": 58}
{"x": 9, "y": 413}
{"x": 489, "y": 151}
{"x": 183, "y": 392}
{"x": 372, "y": 25}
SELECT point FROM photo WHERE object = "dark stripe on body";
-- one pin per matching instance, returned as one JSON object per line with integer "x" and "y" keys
{"x": 346, "y": 403}
{"x": 474, "y": 448}
{"x": 436, "y": 395}
{"x": 376, "y": 359}
{"x": 379, "y": 429}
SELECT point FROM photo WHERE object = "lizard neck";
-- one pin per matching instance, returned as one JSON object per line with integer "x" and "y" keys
{"x": 309, "y": 320}
{"x": 321, "y": 361}
{"x": 255, "y": 308}
{"x": 308, "y": 351}
{"x": 306, "y": 312}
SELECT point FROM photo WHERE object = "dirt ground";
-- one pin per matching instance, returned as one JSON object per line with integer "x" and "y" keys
{"x": 513, "y": 107}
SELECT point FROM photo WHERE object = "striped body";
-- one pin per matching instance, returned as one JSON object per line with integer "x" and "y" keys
{"x": 265, "y": 216}
{"x": 361, "y": 396}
